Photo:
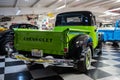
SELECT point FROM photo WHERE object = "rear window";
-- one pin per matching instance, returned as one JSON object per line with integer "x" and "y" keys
{"x": 73, "y": 19}
{"x": 23, "y": 26}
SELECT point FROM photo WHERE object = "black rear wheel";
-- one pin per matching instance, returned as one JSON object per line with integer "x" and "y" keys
{"x": 84, "y": 64}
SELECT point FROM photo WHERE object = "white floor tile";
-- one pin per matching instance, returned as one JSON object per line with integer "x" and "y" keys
{"x": 110, "y": 62}
{"x": 1, "y": 76}
{"x": 93, "y": 60}
{"x": 75, "y": 77}
{"x": 110, "y": 78}
{"x": 10, "y": 59}
{"x": 1, "y": 57}
{"x": 13, "y": 69}
{"x": 111, "y": 70}
{"x": 2, "y": 64}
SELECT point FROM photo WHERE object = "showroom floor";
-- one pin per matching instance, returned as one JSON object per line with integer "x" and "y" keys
{"x": 106, "y": 67}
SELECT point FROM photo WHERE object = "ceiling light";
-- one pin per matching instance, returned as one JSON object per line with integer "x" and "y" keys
{"x": 114, "y": 9}
{"x": 18, "y": 12}
{"x": 59, "y": 0}
{"x": 26, "y": 0}
{"x": 111, "y": 13}
{"x": 60, "y": 7}
{"x": 107, "y": 12}
{"x": 77, "y": 0}
{"x": 102, "y": 15}
{"x": 117, "y": 0}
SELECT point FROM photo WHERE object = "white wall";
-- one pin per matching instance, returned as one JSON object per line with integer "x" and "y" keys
{"x": 23, "y": 19}
{"x": 16, "y": 19}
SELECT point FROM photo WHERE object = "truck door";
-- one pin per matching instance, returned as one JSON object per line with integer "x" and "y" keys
{"x": 117, "y": 30}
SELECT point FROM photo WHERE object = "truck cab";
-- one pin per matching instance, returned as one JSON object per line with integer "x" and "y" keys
{"x": 83, "y": 21}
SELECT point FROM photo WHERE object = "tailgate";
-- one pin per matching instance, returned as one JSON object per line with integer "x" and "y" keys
{"x": 51, "y": 42}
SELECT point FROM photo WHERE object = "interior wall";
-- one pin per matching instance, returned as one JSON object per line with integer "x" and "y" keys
{"x": 23, "y": 19}
{"x": 16, "y": 19}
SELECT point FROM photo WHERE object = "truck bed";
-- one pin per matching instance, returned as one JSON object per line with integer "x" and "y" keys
{"x": 52, "y": 42}
{"x": 110, "y": 35}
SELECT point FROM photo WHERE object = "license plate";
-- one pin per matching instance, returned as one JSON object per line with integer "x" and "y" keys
{"x": 37, "y": 53}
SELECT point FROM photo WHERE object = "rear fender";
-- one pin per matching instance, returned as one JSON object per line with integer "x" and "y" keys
{"x": 78, "y": 44}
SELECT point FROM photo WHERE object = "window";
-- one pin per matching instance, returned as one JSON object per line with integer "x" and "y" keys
{"x": 28, "y": 26}
{"x": 32, "y": 26}
{"x": 75, "y": 19}
{"x": 23, "y": 26}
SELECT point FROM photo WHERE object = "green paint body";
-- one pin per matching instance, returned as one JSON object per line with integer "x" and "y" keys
{"x": 51, "y": 42}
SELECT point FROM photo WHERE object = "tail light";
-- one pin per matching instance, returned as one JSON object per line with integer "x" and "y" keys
{"x": 65, "y": 50}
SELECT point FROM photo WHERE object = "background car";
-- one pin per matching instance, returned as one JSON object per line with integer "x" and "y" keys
{"x": 23, "y": 25}
{"x": 7, "y": 36}
{"x": 2, "y": 28}
{"x": 6, "y": 40}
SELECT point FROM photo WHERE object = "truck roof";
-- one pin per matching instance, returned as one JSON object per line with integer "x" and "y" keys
{"x": 83, "y": 12}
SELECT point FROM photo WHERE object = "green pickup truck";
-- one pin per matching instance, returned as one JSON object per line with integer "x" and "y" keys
{"x": 73, "y": 42}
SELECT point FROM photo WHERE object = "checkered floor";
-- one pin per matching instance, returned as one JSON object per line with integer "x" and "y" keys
{"x": 106, "y": 67}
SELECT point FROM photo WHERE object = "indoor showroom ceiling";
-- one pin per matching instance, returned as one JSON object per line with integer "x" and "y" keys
{"x": 104, "y": 10}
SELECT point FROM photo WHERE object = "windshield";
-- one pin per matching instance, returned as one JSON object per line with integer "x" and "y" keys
{"x": 75, "y": 19}
{"x": 108, "y": 25}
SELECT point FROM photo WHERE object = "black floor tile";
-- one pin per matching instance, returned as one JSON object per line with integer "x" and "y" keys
{"x": 63, "y": 70}
{"x": 114, "y": 51}
{"x": 115, "y": 48}
{"x": 1, "y": 70}
{"x": 105, "y": 53}
{"x": 117, "y": 59}
{"x": 100, "y": 58}
{"x": 35, "y": 66}
{"x": 19, "y": 76}
{"x": 2, "y": 60}
{"x": 13, "y": 63}
{"x": 116, "y": 54}
{"x": 97, "y": 74}
{"x": 43, "y": 73}
{"x": 51, "y": 78}
{"x": 99, "y": 64}
{"x": 117, "y": 65}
